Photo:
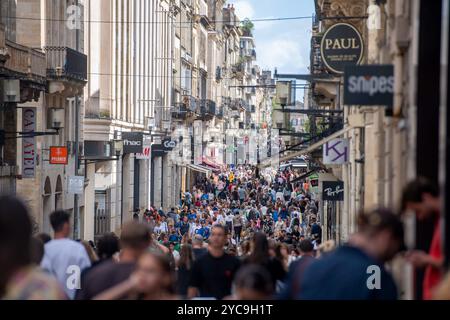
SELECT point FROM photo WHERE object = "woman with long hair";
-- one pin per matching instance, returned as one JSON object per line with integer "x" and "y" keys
{"x": 20, "y": 277}
{"x": 282, "y": 254}
{"x": 184, "y": 269}
{"x": 260, "y": 256}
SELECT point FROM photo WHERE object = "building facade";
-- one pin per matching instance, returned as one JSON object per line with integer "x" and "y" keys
{"x": 129, "y": 91}
{"x": 52, "y": 76}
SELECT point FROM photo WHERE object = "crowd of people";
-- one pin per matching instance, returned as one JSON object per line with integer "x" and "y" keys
{"x": 239, "y": 234}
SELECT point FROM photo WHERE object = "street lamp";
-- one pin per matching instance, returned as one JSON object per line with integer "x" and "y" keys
{"x": 165, "y": 125}
{"x": 118, "y": 150}
{"x": 118, "y": 147}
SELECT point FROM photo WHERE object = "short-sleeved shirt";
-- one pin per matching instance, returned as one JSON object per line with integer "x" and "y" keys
{"x": 31, "y": 283}
{"x": 213, "y": 276}
{"x": 60, "y": 258}
{"x": 345, "y": 274}
{"x": 433, "y": 275}
{"x": 104, "y": 277}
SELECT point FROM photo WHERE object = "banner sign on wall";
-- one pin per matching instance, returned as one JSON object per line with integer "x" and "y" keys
{"x": 336, "y": 152}
{"x": 29, "y": 143}
{"x": 75, "y": 185}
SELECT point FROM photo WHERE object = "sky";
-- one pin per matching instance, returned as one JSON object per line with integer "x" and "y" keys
{"x": 284, "y": 45}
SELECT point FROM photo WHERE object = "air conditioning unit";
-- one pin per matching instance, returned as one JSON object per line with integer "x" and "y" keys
{"x": 10, "y": 91}
{"x": 55, "y": 118}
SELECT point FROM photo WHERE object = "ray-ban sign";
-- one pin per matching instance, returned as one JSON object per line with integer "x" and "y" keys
{"x": 333, "y": 191}
{"x": 369, "y": 85}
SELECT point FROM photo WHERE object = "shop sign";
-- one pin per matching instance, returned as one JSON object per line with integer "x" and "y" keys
{"x": 29, "y": 143}
{"x": 132, "y": 142}
{"x": 369, "y": 85}
{"x": 336, "y": 152}
{"x": 333, "y": 191}
{"x": 342, "y": 45}
{"x": 58, "y": 155}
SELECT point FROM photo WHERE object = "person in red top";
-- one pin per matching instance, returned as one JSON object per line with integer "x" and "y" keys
{"x": 422, "y": 198}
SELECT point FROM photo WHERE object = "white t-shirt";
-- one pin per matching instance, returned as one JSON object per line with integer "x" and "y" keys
{"x": 220, "y": 219}
{"x": 279, "y": 195}
{"x": 263, "y": 210}
{"x": 160, "y": 229}
{"x": 65, "y": 259}
{"x": 176, "y": 255}
{"x": 229, "y": 218}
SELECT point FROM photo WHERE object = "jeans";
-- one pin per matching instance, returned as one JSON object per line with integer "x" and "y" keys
{"x": 237, "y": 233}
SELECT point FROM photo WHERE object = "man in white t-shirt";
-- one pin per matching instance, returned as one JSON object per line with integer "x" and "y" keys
{"x": 63, "y": 257}
{"x": 263, "y": 210}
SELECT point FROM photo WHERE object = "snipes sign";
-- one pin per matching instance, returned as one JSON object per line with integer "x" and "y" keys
{"x": 342, "y": 45}
{"x": 371, "y": 85}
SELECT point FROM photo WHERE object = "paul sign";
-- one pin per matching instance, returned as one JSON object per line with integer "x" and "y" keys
{"x": 333, "y": 191}
{"x": 342, "y": 45}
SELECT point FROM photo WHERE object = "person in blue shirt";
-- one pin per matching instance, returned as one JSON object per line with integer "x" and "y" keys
{"x": 275, "y": 215}
{"x": 192, "y": 215}
{"x": 203, "y": 231}
{"x": 284, "y": 213}
{"x": 356, "y": 270}
{"x": 183, "y": 226}
{"x": 204, "y": 196}
{"x": 174, "y": 237}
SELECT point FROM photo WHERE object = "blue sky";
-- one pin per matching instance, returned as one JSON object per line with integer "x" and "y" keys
{"x": 281, "y": 44}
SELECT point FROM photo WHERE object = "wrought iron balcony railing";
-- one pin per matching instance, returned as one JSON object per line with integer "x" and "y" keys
{"x": 63, "y": 62}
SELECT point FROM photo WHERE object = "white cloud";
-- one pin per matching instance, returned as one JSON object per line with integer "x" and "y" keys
{"x": 244, "y": 9}
{"x": 285, "y": 54}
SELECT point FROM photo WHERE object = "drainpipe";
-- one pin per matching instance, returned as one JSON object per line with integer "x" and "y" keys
{"x": 76, "y": 211}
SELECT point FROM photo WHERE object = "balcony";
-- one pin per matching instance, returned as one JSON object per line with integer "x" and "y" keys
{"x": 23, "y": 62}
{"x": 190, "y": 102}
{"x": 249, "y": 53}
{"x": 238, "y": 70}
{"x": 180, "y": 112}
{"x": 235, "y": 114}
{"x": 66, "y": 64}
{"x": 220, "y": 111}
{"x": 207, "y": 109}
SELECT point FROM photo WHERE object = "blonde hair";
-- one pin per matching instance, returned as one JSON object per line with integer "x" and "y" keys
{"x": 90, "y": 251}
{"x": 327, "y": 246}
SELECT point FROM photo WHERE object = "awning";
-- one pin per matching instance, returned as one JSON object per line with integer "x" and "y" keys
{"x": 304, "y": 176}
{"x": 200, "y": 169}
{"x": 210, "y": 163}
{"x": 213, "y": 169}
{"x": 311, "y": 148}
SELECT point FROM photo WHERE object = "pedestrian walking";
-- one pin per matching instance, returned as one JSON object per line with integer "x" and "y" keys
{"x": 62, "y": 255}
